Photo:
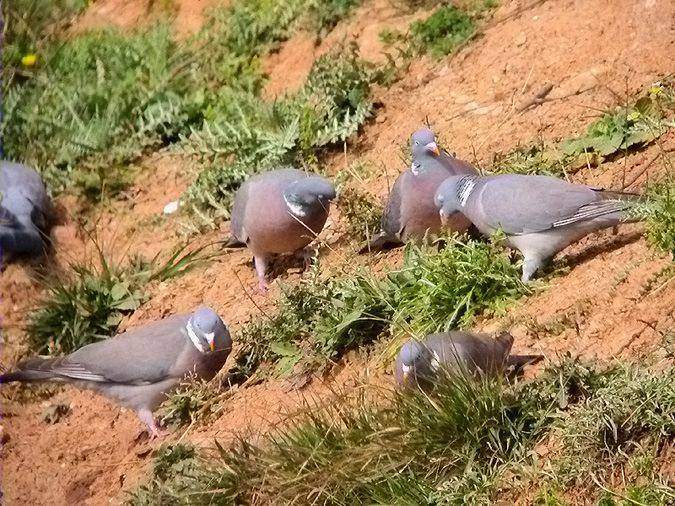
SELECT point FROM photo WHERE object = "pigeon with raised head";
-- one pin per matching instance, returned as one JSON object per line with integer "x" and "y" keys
{"x": 410, "y": 212}
{"x": 140, "y": 366}
{"x": 540, "y": 215}
{"x": 24, "y": 210}
{"x": 280, "y": 211}
{"x": 458, "y": 352}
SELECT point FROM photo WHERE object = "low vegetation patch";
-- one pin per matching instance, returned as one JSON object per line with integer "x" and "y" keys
{"x": 87, "y": 303}
{"x": 619, "y": 130}
{"x": 449, "y": 27}
{"x": 247, "y": 135}
{"x": 193, "y": 401}
{"x": 91, "y": 104}
{"x": 321, "y": 318}
{"x": 467, "y": 440}
{"x": 659, "y": 212}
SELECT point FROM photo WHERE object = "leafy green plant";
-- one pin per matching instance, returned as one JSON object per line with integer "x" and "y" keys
{"x": 193, "y": 401}
{"x": 101, "y": 99}
{"x": 324, "y": 15}
{"x": 173, "y": 469}
{"x": 626, "y": 127}
{"x": 29, "y": 26}
{"x": 82, "y": 307}
{"x": 443, "y": 31}
{"x": 621, "y": 129}
{"x": 659, "y": 212}
{"x": 439, "y": 290}
{"x": 243, "y": 135}
{"x": 87, "y": 303}
{"x": 362, "y": 213}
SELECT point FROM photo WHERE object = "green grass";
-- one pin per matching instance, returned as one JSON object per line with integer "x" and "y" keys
{"x": 322, "y": 317}
{"x": 243, "y": 135}
{"x": 325, "y": 14}
{"x": 193, "y": 401}
{"x": 98, "y": 101}
{"x": 30, "y": 27}
{"x": 659, "y": 212}
{"x": 618, "y": 131}
{"x": 476, "y": 438}
{"x": 87, "y": 302}
{"x": 443, "y": 31}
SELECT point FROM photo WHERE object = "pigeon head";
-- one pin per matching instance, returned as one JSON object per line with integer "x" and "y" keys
{"x": 423, "y": 145}
{"x": 452, "y": 195}
{"x": 207, "y": 331}
{"x": 307, "y": 194}
{"x": 416, "y": 361}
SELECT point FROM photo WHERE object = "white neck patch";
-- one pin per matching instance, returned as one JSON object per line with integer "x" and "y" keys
{"x": 193, "y": 337}
{"x": 415, "y": 168}
{"x": 295, "y": 209}
{"x": 465, "y": 191}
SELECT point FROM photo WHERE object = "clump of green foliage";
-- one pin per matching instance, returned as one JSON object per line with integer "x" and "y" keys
{"x": 443, "y": 31}
{"x": 612, "y": 419}
{"x": 476, "y": 436}
{"x": 624, "y": 128}
{"x": 30, "y": 26}
{"x": 87, "y": 303}
{"x": 441, "y": 290}
{"x": 243, "y": 135}
{"x": 174, "y": 467}
{"x": 100, "y": 100}
{"x": 324, "y": 15}
{"x": 82, "y": 307}
{"x": 659, "y": 212}
{"x": 362, "y": 213}
{"x": 194, "y": 400}
{"x": 322, "y": 318}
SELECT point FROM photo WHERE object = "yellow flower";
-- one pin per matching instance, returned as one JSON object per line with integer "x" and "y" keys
{"x": 29, "y": 60}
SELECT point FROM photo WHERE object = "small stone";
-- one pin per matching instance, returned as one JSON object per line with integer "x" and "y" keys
{"x": 171, "y": 207}
{"x": 521, "y": 39}
{"x": 381, "y": 118}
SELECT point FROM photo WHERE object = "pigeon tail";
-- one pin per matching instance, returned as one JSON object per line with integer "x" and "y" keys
{"x": 381, "y": 241}
{"x": 33, "y": 369}
{"x": 26, "y": 375}
{"x": 516, "y": 363}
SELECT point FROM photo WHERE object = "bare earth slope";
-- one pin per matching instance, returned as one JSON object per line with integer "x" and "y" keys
{"x": 593, "y": 51}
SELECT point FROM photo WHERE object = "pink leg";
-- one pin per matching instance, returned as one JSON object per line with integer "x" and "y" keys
{"x": 260, "y": 268}
{"x": 146, "y": 417}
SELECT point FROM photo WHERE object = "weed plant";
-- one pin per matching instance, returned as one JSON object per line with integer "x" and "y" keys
{"x": 87, "y": 303}
{"x": 467, "y": 440}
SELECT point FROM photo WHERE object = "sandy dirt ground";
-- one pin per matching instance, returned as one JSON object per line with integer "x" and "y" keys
{"x": 595, "y": 53}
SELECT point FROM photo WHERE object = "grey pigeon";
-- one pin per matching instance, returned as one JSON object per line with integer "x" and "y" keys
{"x": 24, "y": 209}
{"x": 457, "y": 352}
{"x": 280, "y": 211}
{"x": 540, "y": 215}
{"x": 139, "y": 367}
{"x": 410, "y": 212}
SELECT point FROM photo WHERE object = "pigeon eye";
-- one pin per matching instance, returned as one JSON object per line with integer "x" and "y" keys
{"x": 417, "y": 143}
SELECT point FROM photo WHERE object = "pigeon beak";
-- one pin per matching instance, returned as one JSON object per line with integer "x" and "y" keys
{"x": 432, "y": 147}
{"x": 444, "y": 218}
{"x": 212, "y": 345}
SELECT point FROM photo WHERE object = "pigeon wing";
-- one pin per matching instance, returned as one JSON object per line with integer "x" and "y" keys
{"x": 529, "y": 204}
{"x": 139, "y": 356}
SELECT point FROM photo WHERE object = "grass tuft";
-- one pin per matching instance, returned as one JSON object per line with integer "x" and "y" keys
{"x": 87, "y": 303}
{"x": 478, "y": 439}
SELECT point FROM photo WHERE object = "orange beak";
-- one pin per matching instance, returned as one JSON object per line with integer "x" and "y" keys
{"x": 432, "y": 147}
{"x": 212, "y": 345}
